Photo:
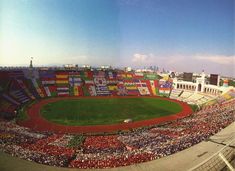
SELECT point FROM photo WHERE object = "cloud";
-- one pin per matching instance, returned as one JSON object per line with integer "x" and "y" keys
{"x": 222, "y": 60}
{"x": 220, "y": 64}
{"x": 139, "y": 57}
{"x": 173, "y": 59}
{"x": 142, "y": 58}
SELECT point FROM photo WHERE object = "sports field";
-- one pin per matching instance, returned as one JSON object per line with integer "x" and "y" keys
{"x": 103, "y": 111}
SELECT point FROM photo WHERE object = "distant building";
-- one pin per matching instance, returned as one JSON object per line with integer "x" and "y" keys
{"x": 128, "y": 69}
{"x": 70, "y": 66}
{"x": 86, "y": 66}
{"x": 106, "y": 67}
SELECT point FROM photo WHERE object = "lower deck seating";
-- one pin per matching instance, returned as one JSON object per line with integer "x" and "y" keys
{"x": 122, "y": 149}
{"x": 205, "y": 98}
{"x": 184, "y": 95}
{"x": 175, "y": 93}
{"x": 38, "y": 88}
{"x": 7, "y": 109}
{"x": 193, "y": 98}
{"x": 20, "y": 96}
{"x": 62, "y": 90}
{"x": 10, "y": 99}
{"x": 49, "y": 84}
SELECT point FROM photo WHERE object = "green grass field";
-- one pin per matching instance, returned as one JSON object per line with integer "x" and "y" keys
{"x": 107, "y": 111}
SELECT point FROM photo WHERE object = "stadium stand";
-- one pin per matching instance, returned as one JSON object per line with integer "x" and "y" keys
{"x": 10, "y": 99}
{"x": 75, "y": 84}
{"x": 101, "y": 84}
{"x": 127, "y": 148}
{"x": 104, "y": 151}
{"x": 62, "y": 83}
{"x": 131, "y": 88}
{"x": 112, "y": 87}
{"x": 7, "y": 110}
{"x": 17, "y": 92}
{"x": 193, "y": 98}
{"x": 185, "y": 95}
{"x": 175, "y": 93}
{"x": 47, "y": 80}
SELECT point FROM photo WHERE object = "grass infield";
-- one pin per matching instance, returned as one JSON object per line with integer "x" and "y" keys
{"x": 102, "y": 111}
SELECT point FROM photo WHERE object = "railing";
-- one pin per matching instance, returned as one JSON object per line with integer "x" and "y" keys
{"x": 219, "y": 160}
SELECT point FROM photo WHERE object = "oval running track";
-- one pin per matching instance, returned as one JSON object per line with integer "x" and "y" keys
{"x": 38, "y": 123}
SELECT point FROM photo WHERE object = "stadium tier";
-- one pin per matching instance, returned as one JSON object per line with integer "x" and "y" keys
{"x": 107, "y": 151}
{"x": 21, "y": 86}
{"x": 175, "y": 93}
{"x": 122, "y": 148}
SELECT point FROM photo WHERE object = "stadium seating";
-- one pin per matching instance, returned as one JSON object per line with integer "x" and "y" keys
{"x": 10, "y": 99}
{"x": 62, "y": 83}
{"x": 206, "y": 98}
{"x": 16, "y": 91}
{"x": 75, "y": 84}
{"x": 193, "y": 98}
{"x": 104, "y": 151}
{"x": 26, "y": 85}
{"x": 29, "y": 84}
{"x": 7, "y": 109}
{"x": 185, "y": 95}
{"x": 101, "y": 85}
{"x": 131, "y": 88}
{"x": 175, "y": 93}
{"x": 112, "y": 86}
{"x": 46, "y": 84}
{"x": 122, "y": 149}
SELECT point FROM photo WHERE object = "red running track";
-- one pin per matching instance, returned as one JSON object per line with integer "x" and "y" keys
{"x": 38, "y": 123}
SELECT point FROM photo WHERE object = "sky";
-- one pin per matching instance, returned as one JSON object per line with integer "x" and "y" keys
{"x": 178, "y": 35}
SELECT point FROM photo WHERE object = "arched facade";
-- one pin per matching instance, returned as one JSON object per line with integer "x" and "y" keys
{"x": 199, "y": 87}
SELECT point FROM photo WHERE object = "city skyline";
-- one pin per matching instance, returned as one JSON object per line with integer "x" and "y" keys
{"x": 176, "y": 35}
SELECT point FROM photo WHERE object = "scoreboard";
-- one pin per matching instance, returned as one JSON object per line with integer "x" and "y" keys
{"x": 188, "y": 76}
{"x": 214, "y": 79}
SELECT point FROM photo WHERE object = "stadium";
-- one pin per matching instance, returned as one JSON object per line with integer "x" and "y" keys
{"x": 117, "y": 85}
{"x": 95, "y": 118}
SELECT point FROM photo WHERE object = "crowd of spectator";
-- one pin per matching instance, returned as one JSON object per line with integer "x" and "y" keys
{"x": 108, "y": 144}
{"x": 124, "y": 148}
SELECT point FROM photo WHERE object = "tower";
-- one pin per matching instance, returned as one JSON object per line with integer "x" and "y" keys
{"x": 31, "y": 63}
{"x": 201, "y": 82}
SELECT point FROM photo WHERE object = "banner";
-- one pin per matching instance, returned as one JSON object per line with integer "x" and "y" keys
{"x": 75, "y": 90}
{"x": 143, "y": 91}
